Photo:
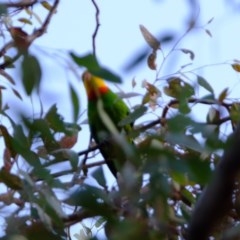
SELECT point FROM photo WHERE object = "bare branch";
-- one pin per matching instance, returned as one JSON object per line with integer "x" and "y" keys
{"x": 96, "y": 28}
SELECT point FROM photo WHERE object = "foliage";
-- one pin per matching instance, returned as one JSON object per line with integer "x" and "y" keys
{"x": 156, "y": 192}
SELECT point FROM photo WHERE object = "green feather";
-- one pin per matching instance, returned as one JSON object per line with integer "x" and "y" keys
{"x": 109, "y": 109}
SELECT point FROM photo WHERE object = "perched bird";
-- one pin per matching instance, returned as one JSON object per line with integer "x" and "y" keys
{"x": 105, "y": 110}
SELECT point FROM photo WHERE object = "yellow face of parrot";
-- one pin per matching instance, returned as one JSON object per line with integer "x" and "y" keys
{"x": 95, "y": 86}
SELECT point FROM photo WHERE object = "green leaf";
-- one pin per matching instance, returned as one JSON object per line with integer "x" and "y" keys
{"x": 98, "y": 175}
{"x": 51, "y": 205}
{"x": 8, "y": 61}
{"x": 186, "y": 141}
{"x": 91, "y": 198}
{"x": 199, "y": 170}
{"x": 99, "y": 223}
{"x": 177, "y": 88}
{"x": 75, "y": 103}
{"x": 179, "y": 123}
{"x": 106, "y": 74}
{"x": 137, "y": 113}
{"x": 183, "y": 106}
{"x": 3, "y": 9}
{"x": 203, "y": 83}
{"x": 31, "y": 73}
{"x": 87, "y": 61}
{"x": 54, "y": 119}
{"x": 235, "y": 112}
{"x": 181, "y": 90}
{"x": 90, "y": 62}
{"x": 70, "y": 154}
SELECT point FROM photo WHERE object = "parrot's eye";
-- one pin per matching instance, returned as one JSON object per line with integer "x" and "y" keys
{"x": 86, "y": 76}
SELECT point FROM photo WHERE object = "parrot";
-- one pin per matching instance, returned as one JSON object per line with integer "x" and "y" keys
{"x": 105, "y": 109}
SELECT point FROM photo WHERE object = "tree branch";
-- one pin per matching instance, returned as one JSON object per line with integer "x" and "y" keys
{"x": 96, "y": 28}
{"x": 20, "y": 4}
{"x": 194, "y": 100}
{"x": 216, "y": 199}
{"x": 78, "y": 216}
{"x": 39, "y": 32}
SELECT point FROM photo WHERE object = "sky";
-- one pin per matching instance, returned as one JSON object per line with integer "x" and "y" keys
{"x": 119, "y": 40}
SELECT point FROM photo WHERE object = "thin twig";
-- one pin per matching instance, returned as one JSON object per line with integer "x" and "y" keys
{"x": 96, "y": 28}
{"x": 194, "y": 100}
{"x": 70, "y": 171}
{"x": 6, "y": 47}
{"x": 39, "y": 32}
{"x": 30, "y": 38}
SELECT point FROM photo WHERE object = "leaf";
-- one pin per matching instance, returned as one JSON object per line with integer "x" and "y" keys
{"x": 21, "y": 145}
{"x": 213, "y": 115}
{"x": 17, "y": 94}
{"x": 134, "y": 83}
{"x": 3, "y": 9}
{"x": 25, "y": 20}
{"x": 9, "y": 62}
{"x": 203, "y": 83}
{"x": 31, "y": 13}
{"x": 54, "y": 119}
{"x": 137, "y": 113}
{"x": 208, "y": 32}
{"x": 50, "y": 204}
{"x": 177, "y": 88}
{"x": 149, "y": 38}
{"x": 223, "y": 95}
{"x": 39, "y": 230}
{"x": 98, "y": 175}
{"x": 236, "y": 67}
{"x": 90, "y": 62}
{"x": 139, "y": 56}
{"x": 106, "y": 74}
{"x": 46, "y": 5}
{"x": 210, "y": 20}
{"x": 127, "y": 95}
{"x": 235, "y": 112}
{"x": 75, "y": 103}
{"x": 31, "y": 73}
{"x": 99, "y": 223}
{"x": 68, "y": 141}
{"x": 179, "y": 123}
{"x": 8, "y": 140}
{"x": 187, "y": 51}
{"x": 73, "y": 157}
{"x": 152, "y": 60}
{"x": 92, "y": 198}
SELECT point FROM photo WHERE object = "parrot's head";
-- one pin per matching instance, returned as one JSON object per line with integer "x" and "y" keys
{"x": 95, "y": 86}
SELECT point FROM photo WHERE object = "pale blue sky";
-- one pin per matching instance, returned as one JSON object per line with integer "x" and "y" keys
{"x": 119, "y": 39}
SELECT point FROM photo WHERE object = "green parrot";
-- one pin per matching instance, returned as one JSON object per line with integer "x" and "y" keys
{"x": 105, "y": 110}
